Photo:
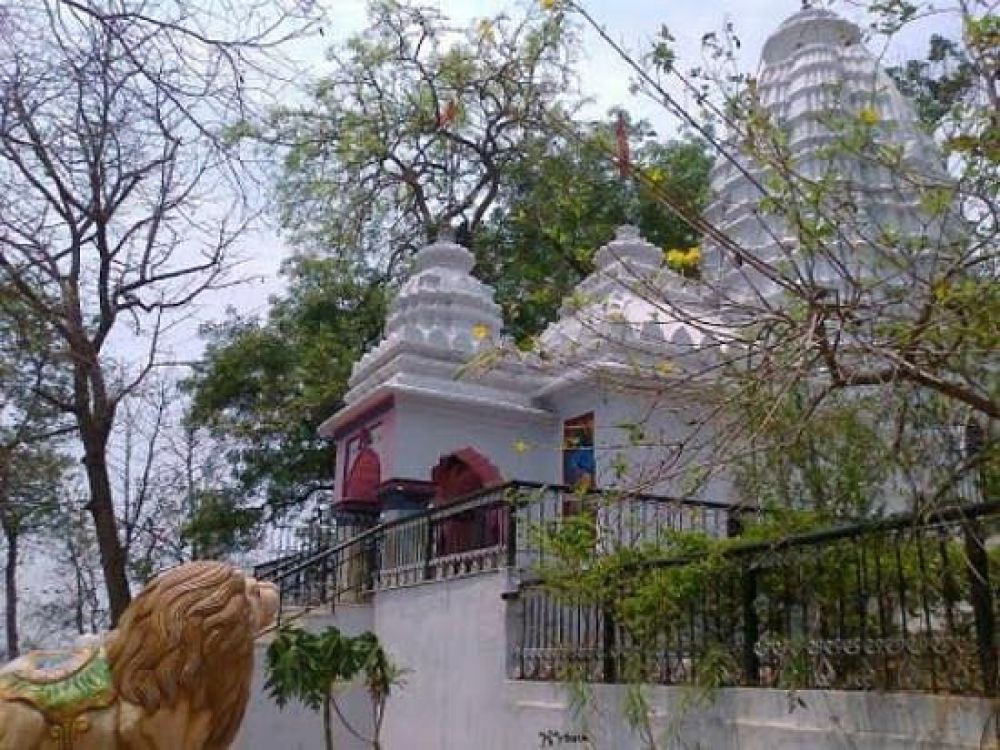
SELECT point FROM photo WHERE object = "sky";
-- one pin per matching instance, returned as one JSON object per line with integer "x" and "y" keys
{"x": 604, "y": 77}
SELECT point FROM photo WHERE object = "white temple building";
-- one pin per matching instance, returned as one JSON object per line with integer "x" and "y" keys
{"x": 619, "y": 378}
{"x": 619, "y": 394}
{"x": 820, "y": 88}
{"x": 420, "y": 424}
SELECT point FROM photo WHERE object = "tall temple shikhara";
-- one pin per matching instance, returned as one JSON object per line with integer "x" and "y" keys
{"x": 420, "y": 429}
{"x": 818, "y": 86}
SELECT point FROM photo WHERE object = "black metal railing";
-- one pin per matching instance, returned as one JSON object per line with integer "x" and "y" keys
{"x": 302, "y": 542}
{"x": 493, "y": 528}
{"x": 341, "y": 573}
{"x": 500, "y": 527}
{"x": 905, "y": 603}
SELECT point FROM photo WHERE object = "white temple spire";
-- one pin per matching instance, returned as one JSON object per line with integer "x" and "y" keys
{"x": 815, "y": 79}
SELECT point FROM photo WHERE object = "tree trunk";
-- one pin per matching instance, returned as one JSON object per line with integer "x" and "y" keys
{"x": 10, "y": 595}
{"x": 102, "y": 509}
{"x": 78, "y": 614}
{"x": 327, "y": 724}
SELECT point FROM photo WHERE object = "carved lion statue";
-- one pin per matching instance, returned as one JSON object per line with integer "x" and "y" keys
{"x": 175, "y": 675}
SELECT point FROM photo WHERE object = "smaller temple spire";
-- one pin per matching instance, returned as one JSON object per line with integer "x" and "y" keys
{"x": 441, "y": 319}
{"x": 629, "y": 248}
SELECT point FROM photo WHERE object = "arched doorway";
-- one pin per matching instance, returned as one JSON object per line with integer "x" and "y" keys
{"x": 361, "y": 485}
{"x": 458, "y": 475}
{"x": 461, "y": 473}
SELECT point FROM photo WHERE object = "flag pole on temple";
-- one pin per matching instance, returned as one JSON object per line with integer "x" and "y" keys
{"x": 624, "y": 159}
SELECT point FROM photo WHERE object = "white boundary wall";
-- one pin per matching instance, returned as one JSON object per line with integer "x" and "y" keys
{"x": 296, "y": 727}
{"x": 452, "y": 635}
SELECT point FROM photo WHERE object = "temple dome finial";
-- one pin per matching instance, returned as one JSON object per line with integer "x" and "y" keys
{"x": 809, "y": 26}
{"x": 441, "y": 317}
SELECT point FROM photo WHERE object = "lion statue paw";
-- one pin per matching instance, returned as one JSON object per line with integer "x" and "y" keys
{"x": 174, "y": 675}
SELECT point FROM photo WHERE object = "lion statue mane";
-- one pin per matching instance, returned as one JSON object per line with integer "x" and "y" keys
{"x": 174, "y": 675}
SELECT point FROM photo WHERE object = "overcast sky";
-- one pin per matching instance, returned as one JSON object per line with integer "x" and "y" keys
{"x": 604, "y": 77}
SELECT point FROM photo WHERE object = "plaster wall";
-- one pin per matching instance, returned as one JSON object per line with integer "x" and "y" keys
{"x": 452, "y": 636}
{"x": 747, "y": 719}
{"x": 296, "y": 727}
{"x": 667, "y": 421}
{"x": 664, "y": 419}
{"x": 524, "y": 448}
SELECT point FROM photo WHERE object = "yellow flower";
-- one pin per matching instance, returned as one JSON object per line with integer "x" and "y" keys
{"x": 549, "y": 4}
{"x": 666, "y": 367}
{"x": 869, "y": 116}
{"x": 684, "y": 260}
{"x": 486, "y": 32}
{"x": 480, "y": 331}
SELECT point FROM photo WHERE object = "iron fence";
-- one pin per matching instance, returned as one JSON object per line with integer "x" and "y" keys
{"x": 905, "y": 603}
{"x": 293, "y": 544}
{"x": 507, "y": 525}
{"x": 498, "y": 527}
{"x": 340, "y": 573}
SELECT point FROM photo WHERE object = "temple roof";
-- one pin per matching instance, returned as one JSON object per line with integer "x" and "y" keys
{"x": 632, "y": 307}
{"x": 808, "y": 26}
{"x": 815, "y": 76}
{"x": 442, "y": 318}
{"x": 633, "y": 311}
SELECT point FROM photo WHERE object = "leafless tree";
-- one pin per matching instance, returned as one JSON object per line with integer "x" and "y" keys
{"x": 114, "y": 175}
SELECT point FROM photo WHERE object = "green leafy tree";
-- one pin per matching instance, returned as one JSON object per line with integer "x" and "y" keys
{"x": 415, "y": 129}
{"x": 313, "y": 667}
{"x": 563, "y": 200}
{"x": 32, "y": 464}
{"x": 938, "y": 83}
{"x": 264, "y": 387}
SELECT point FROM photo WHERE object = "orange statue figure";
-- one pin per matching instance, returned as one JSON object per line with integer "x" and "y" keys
{"x": 174, "y": 675}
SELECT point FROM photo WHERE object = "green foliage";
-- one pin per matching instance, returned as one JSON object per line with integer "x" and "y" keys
{"x": 306, "y": 666}
{"x": 821, "y": 454}
{"x": 416, "y": 129}
{"x": 32, "y": 464}
{"x": 312, "y": 667}
{"x": 938, "y": 83}
{"x": 682, "y": 594}
{"x": 264, "y": 387}
{"x": 562, "y": 201}
{"x": 219, "y": 524}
